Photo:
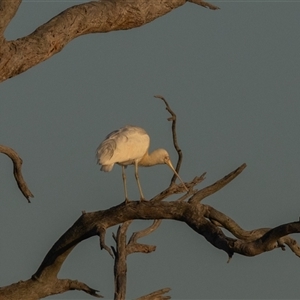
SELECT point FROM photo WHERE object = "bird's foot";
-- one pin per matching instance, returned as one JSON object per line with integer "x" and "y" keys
{"x": 126, "y": 201}
{"x": 142, "y": 199}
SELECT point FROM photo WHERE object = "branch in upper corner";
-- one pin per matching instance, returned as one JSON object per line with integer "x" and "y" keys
{"x": 204, "y": 4}
{"x": 17, "y": 162}
{"x": 174, "y": 135}
{"x": 19, "y": 55}
{"x": 8, "y": 10}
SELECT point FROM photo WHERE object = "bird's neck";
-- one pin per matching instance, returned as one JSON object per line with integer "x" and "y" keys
{"x": 149, "y": 160}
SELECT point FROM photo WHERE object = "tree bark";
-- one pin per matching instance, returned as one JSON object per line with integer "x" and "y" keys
{"x": 103, "y": 16}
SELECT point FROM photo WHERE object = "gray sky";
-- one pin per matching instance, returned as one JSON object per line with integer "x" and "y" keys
{"x": 232, "y": 76}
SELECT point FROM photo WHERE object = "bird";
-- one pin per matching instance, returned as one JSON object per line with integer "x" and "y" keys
{"x": 129, "y": 145}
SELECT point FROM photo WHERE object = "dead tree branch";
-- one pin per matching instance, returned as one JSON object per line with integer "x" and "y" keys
{"x": 120, "y": 266}
{"x": 175, "y": 189}
{"x": 209, "y": 190}
{"x": 17, "y": 163}
{"x": 133, "y": 246}
{"x": 157, "y": 295}
{"x": 204, "y": 4}
{"x": 33, "y": 289}
{"x": 123, "y": 249}
{"x": 8, "y": 10}
{"x": 193, "y": 213}
{"x": 174, "y": 136}
{"x": 19, "y": 55}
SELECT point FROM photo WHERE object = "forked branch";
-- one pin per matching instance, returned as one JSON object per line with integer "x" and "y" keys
{"x": 123, "y": 249}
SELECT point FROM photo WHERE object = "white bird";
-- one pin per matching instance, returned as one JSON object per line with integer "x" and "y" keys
{"x": 129, "y": 146}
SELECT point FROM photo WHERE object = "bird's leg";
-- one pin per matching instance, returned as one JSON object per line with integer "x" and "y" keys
{"x": 138, "y": 182}
{"x": 124, "y": 184}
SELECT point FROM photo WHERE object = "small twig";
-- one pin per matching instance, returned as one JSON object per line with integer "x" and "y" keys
{"x": 204, "y": 4}
{"x": 291, "y": 243}
{"x": 207, "y": 191}
{"x": 142, "y": 233}
{"x": 174, "y": 134}
{"x": 17, "y": 162}
{"x": 157, "y": 295}
{"x": 101, "y": 233}
{"x": 171, "y": 190}
{"x": 177, "y": 189}
{"x": 80, "y": 286}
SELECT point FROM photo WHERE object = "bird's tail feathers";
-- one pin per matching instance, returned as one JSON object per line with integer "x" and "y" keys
{"x": 106, "y": 168}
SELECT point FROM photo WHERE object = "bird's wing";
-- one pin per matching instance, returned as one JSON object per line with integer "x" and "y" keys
{"x": 106, "y": 150}
{"x": 123, "y": 146}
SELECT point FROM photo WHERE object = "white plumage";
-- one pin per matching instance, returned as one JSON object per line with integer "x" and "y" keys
{"x": 129, "y": 146}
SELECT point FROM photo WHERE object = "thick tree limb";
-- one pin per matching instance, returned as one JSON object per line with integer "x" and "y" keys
{"x": 93, "y": 17}
{"x": 193, "y": 213}
{"x": 17, "y": 163}
{"x": 259, "y": 240}
{"x": 120, "y": 266}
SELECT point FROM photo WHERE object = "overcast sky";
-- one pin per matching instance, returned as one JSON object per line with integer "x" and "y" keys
{"x": 233, "y": 78}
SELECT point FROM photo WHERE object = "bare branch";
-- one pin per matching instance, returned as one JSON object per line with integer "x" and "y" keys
{"x": 8, "y": 10}
{"x": 222, "y": 220}
{"x": 123, "y": 249}
{"x": 120, "y": 266}
{"x": 176, "y": 189}
{"x": 209, "y": 190}
{"x": 174, "y": 135}
{"x": 204, "y": 4}
{"x": 33, "y": 289}
{"x": 157, "y": 295}
{"x": 255, "y": 241}
{"x": 79, "y": 286}
{"x": 102, "y": 233}
{"x": 93, "y": 17}
{"x": 133, "y": 246}
{"x": 142, "y": 233}
{"x": 17, "y": 163}
{"x": 291, "y": 243}
{"x": 203, "y": 219}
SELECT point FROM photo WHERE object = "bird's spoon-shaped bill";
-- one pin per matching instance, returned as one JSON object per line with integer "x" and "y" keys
{"x": 168, "y": 162}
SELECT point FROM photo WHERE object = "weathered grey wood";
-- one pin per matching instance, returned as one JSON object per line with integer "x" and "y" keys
{"x": 203, "y": 219}
{"x": 103, "y": 16}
